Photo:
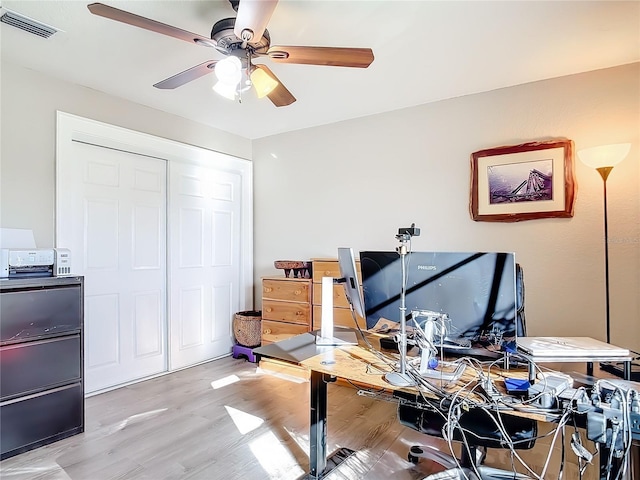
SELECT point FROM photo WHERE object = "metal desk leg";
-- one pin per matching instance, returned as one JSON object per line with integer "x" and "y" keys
{"x": 626, "y": 372}
{"x": 319, "y": 464}
{"x": 318, "y": 426}
{"x": 590, "y": 369}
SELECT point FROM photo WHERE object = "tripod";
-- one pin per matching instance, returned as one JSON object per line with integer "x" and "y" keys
{"x": 402, "y": 378}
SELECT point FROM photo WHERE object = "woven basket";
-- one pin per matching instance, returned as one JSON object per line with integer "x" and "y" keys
{"x": 247, "y": 328}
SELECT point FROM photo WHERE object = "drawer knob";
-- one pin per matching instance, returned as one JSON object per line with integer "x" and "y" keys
{"x": 299, "y": 313}
{"x": 266, "y": 331}
{"x": 269, "y": 309}
{"x": 297, "y": 292}
{"x": 268, "y": 289}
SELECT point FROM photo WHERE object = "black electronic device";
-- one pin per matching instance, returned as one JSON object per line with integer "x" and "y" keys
{"x": 411, "y": 231}
{"x": 477, "y": 290}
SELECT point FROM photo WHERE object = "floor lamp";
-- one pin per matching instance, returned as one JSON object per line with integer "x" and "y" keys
{"x": 603, "y": 159}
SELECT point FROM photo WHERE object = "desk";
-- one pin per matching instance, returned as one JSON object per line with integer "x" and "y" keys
{"x": 355, "y": 364}
{"x": 326, "y": 363}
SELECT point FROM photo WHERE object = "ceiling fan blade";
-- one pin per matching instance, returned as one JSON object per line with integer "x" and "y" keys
{"x": 187, "y": 76}
{"x": 118, "y": 15}
{"x": 332, "y": 56}
{"x": 252, "y": 19}
{"x": 279, "y": 96}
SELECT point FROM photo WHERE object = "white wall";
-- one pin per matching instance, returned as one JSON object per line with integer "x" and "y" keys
{"x": 27, "y": 174}
{"x": 354, "y": 183}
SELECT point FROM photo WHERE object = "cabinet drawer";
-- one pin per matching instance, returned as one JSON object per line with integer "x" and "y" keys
{"x": 276, "y": 331}
{"x": 289, "y": 290}
{"x": 341, "y": 317}
{"x": 339, "y": 298}
{"x": 32, "y": 313}
{"x": 329, "y": 268}
{"x": 287, "y": 312}
{"x": 41, "y": 419}
{"x": 30, "y": 367}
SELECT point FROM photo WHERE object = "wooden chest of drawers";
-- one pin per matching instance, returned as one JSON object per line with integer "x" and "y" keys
{"x": 341, "y": 310}
{"x": 286, "y": 308}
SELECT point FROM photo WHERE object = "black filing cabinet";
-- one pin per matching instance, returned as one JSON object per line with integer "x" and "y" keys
{"x": 41, "y": 362}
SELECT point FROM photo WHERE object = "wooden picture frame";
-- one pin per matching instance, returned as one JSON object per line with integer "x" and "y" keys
{"x": 523, "y": 182}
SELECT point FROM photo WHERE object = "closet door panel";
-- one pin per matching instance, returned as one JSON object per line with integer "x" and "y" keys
{"x": 205, "y": 271}
{"x": 112, "y": 216}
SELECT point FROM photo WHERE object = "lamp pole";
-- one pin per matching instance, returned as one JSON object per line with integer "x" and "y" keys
{"x": 603, "y": 159}
{"x": 604, "y": 173}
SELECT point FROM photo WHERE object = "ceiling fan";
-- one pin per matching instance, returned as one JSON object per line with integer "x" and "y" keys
{"x": 241, "y": 39}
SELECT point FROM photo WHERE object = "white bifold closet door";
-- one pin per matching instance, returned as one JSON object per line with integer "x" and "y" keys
{"x": 162, "y": 232}
{"x": 204, "y": 279}
{"x": 112, "y": 216}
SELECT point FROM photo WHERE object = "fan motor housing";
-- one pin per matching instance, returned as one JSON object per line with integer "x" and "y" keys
{"x": 229, "y": 44}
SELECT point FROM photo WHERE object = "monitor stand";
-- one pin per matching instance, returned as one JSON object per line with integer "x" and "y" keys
{"x": 328, "y": 335}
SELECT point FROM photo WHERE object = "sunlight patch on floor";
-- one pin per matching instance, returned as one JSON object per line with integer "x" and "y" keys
{"x": 244, "y": 422}
{"x": 35, "y": 472}
{"x": 283, "y": 376}
{"x": 300, "y": 438}
{"x": 276, "y": 460}
{"x": 223, "y": 382}
{"x": 140, "y": 417}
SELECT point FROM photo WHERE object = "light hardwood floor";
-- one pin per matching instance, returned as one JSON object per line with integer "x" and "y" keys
{"x": 179, "y": 426}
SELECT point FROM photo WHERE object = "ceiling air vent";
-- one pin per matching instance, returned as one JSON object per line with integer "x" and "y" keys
{"x": 27, "y": 24}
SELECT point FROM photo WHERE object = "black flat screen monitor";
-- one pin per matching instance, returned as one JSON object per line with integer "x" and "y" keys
{"x": 476, "y": 290}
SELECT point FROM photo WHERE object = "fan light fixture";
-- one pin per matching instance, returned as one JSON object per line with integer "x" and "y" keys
{"x": 229, "y": 73}
{"x": 225, "y": 90}
{"x": 263, "y": 82}
{"x": 242, "y": 37}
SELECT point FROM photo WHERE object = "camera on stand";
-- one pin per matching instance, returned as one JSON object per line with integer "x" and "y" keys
{"x": 411, "y": 231}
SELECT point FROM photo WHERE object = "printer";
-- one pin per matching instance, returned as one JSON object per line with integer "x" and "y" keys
{"x": 35, "y": 262}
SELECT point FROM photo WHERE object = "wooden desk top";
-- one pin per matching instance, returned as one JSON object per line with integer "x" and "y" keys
{"x": 359, "y": 365}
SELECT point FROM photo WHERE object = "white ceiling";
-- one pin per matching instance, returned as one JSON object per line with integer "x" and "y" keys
{"x": 424, "y": 51}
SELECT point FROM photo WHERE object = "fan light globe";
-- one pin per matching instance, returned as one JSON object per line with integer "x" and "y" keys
{"x": 229, "y": 70}
{"x": 225, "y": 90}
{"x": 263, "y": 82}
{"x": 604, "y": 155}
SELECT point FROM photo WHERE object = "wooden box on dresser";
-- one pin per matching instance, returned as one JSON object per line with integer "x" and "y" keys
{"x": 327, "y": 267}
{"x": 41, "y": 362}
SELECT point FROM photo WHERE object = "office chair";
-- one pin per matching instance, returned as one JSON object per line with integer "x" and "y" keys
{"x": 480, "y": 433}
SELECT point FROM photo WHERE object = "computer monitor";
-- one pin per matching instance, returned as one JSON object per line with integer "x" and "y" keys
{"x": 349, "y": 274}
{"x": 476, "y": 290}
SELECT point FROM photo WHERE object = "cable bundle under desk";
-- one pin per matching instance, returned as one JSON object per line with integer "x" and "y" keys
{"x": 609, "y": 411}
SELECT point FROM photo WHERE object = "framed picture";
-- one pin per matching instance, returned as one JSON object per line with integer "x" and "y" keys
{"x": 523, "y": 182}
